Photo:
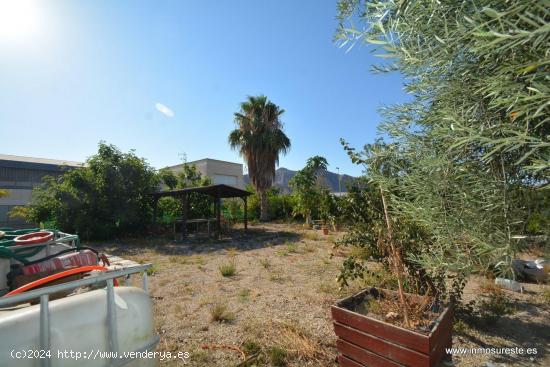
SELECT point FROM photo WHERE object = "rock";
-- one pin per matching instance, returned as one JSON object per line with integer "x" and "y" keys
{"x": 392, "y": 315}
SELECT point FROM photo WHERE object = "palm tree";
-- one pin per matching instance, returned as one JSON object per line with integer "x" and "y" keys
{"x": 259, "y": 138}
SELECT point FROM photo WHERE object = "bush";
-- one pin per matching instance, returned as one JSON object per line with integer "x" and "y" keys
{"x": 228, "y": 269}
{"x": 109, "y": 196}
{"x": 277, "y": 356}
{"x": 220, "y": 313}
{"x": 281, "y": 206}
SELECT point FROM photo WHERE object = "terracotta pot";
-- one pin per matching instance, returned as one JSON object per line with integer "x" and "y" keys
{"x": 325, "y": 230}
{"x": 366, "y": 341}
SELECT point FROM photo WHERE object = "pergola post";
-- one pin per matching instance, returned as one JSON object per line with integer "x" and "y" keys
{"x": 216, "y": 192}
{"x": 185, "y": 207}
{"x": 245, "y": 199}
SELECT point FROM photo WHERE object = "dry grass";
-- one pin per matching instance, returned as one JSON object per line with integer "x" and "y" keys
{"x": 220, "y": 313}
{"x": 312, "y": 236}
{"x": 280, "y": 299}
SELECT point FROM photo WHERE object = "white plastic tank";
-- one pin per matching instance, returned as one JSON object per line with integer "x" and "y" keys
{"x": 4, "y": 270}
{"x": 79, "y": 323}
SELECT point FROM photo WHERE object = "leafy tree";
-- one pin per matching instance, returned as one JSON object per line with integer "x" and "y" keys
{"x": 307, "y": 188}
{"x": 107, "y": 197}
{"x": 328, "y": 210}
{"x": 280, "y": 205}
{"x": 170, "y": 208}
{"x": 168, "y": 178}
{"x": 259, "y": 138}
{"x": 457, "y": 160}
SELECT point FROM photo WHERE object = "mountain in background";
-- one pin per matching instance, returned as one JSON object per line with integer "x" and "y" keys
{"x": 330, "y": 179}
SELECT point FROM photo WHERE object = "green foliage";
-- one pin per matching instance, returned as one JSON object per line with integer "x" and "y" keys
{"x": 107, "y": 197}
{"x": 288, "y": 248}
{"x": 228, "y": 269}
{"x": 259, "y": 138}
{"x": 328, "y": 206}
{"x": 457, "y": 161}
{"x": 368, "y": 235}
{"x": 280, "y": 205}
{"x": 487, "y": 310}
{"x": 307, "y": 188}
{"x": 495, "y": 306}
{"x": 169, "y": 208}
{"x": 220, "y": 313}
{"x": 478, "y": 72}
{"x": 168, "y": 178}
{"x": 277, "y": 356}
{"x": 251, "y": 347}
{"x": 244, "y": 295}
{"x": 3, "y": 193}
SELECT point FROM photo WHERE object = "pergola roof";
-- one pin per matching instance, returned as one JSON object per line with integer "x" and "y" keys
{"x": 216, "y": 191}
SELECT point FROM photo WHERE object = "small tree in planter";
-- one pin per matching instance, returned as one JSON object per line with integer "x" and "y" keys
{"x": 446, "y": 189}
{"x": 415, "y": 317}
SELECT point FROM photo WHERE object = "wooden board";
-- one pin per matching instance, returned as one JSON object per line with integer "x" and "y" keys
{"x": 397, "y": 335}
{"x": 120, "y": 263}
{"x": 346, "y": 362}
{"x": 381, "y": 347}
{"x": 364, "y": 357}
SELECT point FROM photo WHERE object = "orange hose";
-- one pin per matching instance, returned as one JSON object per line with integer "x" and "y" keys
{"x": 51, "y": 278}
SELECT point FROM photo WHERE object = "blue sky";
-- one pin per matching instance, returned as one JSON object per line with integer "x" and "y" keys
{"x": 73, "y": 73}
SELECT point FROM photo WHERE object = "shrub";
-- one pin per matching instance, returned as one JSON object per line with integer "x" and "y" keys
{"x": 307, "y": 189}
{"x": 109, "y": 196}
{"x": 228, "y": 269}
{"x": 251, "y": 347}
{"x": 244, "y": 295}
{"x": 277, "y": 356}
{"x": 220, "y": 313}
{"x": 281, "y": 205}
{"x": 493, "y": 307}
{"x": 265, "y": 263}
{"x": 288, "y": 248}
{"x": 152, "y": 270}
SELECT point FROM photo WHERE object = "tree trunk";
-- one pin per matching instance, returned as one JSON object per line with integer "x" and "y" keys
{"x": 397, "y": 260}
{"x": 264, "y": 210}
{"x": 309, "y": 220}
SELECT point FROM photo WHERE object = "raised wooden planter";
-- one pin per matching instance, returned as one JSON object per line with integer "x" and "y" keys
{"x": 366, "y": 341}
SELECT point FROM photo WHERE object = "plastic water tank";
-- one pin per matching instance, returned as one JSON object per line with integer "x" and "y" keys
{"x": 79, "y": 323}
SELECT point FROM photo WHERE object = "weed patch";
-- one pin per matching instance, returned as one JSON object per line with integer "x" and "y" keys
{"x": 244, "y": 295}
{"x": 288, "y": 248}
{"x": 220, "y": 313}
{"x": 265, "y": 263}
{"x": 277, "y": 356}
{"x": 228, "y": 269}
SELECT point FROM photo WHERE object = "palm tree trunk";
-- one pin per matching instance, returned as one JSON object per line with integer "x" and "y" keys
{"x": 264, "y": 210}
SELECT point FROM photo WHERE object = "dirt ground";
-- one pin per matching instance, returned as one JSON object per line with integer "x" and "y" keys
{"x": 279, "y": 301}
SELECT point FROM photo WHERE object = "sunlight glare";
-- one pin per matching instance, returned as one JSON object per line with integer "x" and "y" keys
{"x": 19, "y": 19}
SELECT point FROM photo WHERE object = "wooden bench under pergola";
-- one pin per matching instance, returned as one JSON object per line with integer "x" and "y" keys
{"x": 216, "y": 192}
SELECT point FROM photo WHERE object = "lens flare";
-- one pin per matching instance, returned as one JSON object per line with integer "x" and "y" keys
{"x": 19, "y": 19}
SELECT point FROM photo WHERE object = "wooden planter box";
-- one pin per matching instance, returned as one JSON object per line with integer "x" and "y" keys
{"x": 366, "y": 341}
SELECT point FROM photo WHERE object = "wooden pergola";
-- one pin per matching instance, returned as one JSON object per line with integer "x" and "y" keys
{"x": 217, "y": 192}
